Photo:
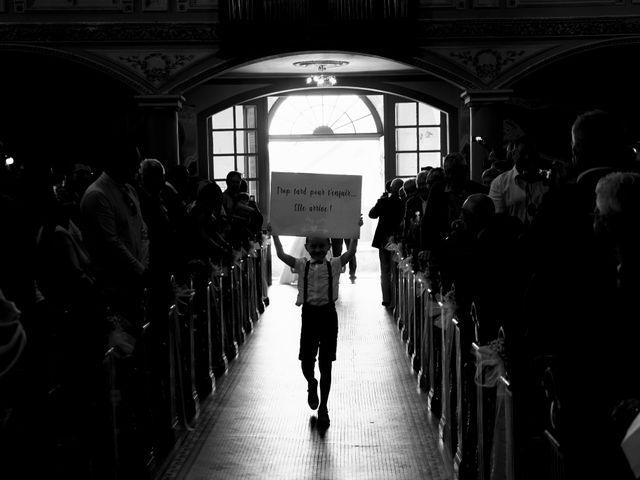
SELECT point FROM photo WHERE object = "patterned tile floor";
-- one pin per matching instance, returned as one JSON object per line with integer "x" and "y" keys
{"x": 257, "y": 425}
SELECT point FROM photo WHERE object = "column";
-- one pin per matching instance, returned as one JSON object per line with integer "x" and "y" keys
{"x": 160, "y": 116}
{"x": 485, "y": 120}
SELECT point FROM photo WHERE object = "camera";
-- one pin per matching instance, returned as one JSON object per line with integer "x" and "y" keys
{"x": 480, "y": 140}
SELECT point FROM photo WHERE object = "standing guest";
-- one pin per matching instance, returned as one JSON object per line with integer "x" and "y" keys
{"x": 162, "y": 237}
{"x": 518, "y": 192}
{"x": 444, "y": 206}
{"x": 415, "y": 207}
{"x": 317, "y": 293}
{"x": 567, "y": 259}
{"x": 336, "y": 251}
{"x": 207, "y": 226}
{"x": 388, "y": 210}
{"x": 230, "y": 195}
{"x": 116, "y": 235}
{"x": 408, "y": 190}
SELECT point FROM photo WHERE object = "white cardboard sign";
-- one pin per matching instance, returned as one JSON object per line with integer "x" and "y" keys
{"x": 311, "y": 204}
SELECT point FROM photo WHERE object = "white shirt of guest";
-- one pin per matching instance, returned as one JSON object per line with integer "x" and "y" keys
{"x": 318, "y": 290}
{"x": 512, "y": 194}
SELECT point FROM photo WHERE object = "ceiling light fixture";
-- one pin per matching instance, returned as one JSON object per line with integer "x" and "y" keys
{"x": 321, "y": 79}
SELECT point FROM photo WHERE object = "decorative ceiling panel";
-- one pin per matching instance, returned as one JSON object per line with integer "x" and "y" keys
{"x": 155, "y": 66}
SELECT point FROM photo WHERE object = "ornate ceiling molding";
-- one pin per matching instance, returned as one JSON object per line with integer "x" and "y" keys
{"x": 156, "y": 67}
{"x": 111, "y": 33}
{"x": 529, "y": 28}
{"x": 489, "y": 63}
{"x": 424, "y": 32}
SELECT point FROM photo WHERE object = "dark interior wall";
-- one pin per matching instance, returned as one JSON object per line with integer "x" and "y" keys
{"x": 56, "y": 112}
{"x": 548, "y": 101}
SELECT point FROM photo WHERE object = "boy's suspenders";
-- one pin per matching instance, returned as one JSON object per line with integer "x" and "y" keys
{"x": 306, "y": 277}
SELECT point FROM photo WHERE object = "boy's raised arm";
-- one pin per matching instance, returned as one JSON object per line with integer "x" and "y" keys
{"x": 285, "y": 257}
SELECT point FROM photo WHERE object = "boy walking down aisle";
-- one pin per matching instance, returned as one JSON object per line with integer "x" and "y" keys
{"x": 318, "y": 281}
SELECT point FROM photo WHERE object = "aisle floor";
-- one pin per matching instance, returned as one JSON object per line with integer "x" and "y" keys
{"x": 257, "y": 424}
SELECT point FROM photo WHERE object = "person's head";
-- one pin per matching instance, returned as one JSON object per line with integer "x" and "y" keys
{"x": 79, "y": 178}
{"x": 489, "y": 175}
{"x": 410, "y": 187}
{"x": 617, "y": 215}
{"x": 123, "y": 163}
{"x": 594, "y": 134}
{"x": 178, "y": 176}
{"x": 244, "y": 185}
{"x": 421, "y": 184}
{"x": 395, "y": 186}
{"x": 234, "y": 180}
{"x": 387, "y": 186}
{"x": 435, "y": 175}
{"x": 317, "y": 247}
{"x": 525, "y": 156}
{"x": 209, "y": 197}
{"x": 477, "y": 211}
{"x": 151, "y": 175}
{"x": 456, "y": 169}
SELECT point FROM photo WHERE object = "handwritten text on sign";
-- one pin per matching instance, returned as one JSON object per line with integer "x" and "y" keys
{"x": 306, "y": 204}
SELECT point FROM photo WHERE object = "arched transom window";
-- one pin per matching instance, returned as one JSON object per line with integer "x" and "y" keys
{"x": 324, "y": 115}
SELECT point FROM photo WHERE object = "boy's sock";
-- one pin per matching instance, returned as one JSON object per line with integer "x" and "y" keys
{"x": 323, "y": 416}
{"x": 312, "y": 396}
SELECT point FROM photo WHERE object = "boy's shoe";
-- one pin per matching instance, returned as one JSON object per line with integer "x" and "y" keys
{"x": 323, "y": 418}
{"x": 312, "y": 397}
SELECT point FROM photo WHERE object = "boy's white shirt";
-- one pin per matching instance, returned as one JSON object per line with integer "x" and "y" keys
{"x": 318, "y": 291}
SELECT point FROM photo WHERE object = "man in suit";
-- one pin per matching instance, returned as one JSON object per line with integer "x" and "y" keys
{"x": 388, "y": 210}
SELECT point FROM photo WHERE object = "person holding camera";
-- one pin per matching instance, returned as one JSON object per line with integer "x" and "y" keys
{"x": 518, "y": 192}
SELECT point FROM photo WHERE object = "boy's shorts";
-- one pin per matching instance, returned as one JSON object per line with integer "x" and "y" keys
{"x": 319, "y": 332}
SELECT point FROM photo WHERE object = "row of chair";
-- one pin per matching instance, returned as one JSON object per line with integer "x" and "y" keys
{"x": 155, "y": 390}
{"x": 467, "y": 386}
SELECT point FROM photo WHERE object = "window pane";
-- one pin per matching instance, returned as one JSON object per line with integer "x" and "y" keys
{"x": 406, "y": 114}
{"x": 406, "y": 139}
{"x": 251, "y": 166}
{"x": 239, "y": 116}
{"x": 378, "y": 102}
{"x": 222, "y": 166}
{"x": 240, "y": 164}
{"x": 430, "y": 159}
{"x": 223, "y": 119}
{"x": 365, "y": 125}
{"x": 253, "y": 188}
{"x": 406, "y": 164}
{"x": 240, "y": 136}
{"x": 250, "y": 114}
{"x": 252, "y": 139}
{"x": 428, "y": 115}
{"x": 429, "y": 138}
{"x": 223, "y": 142}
